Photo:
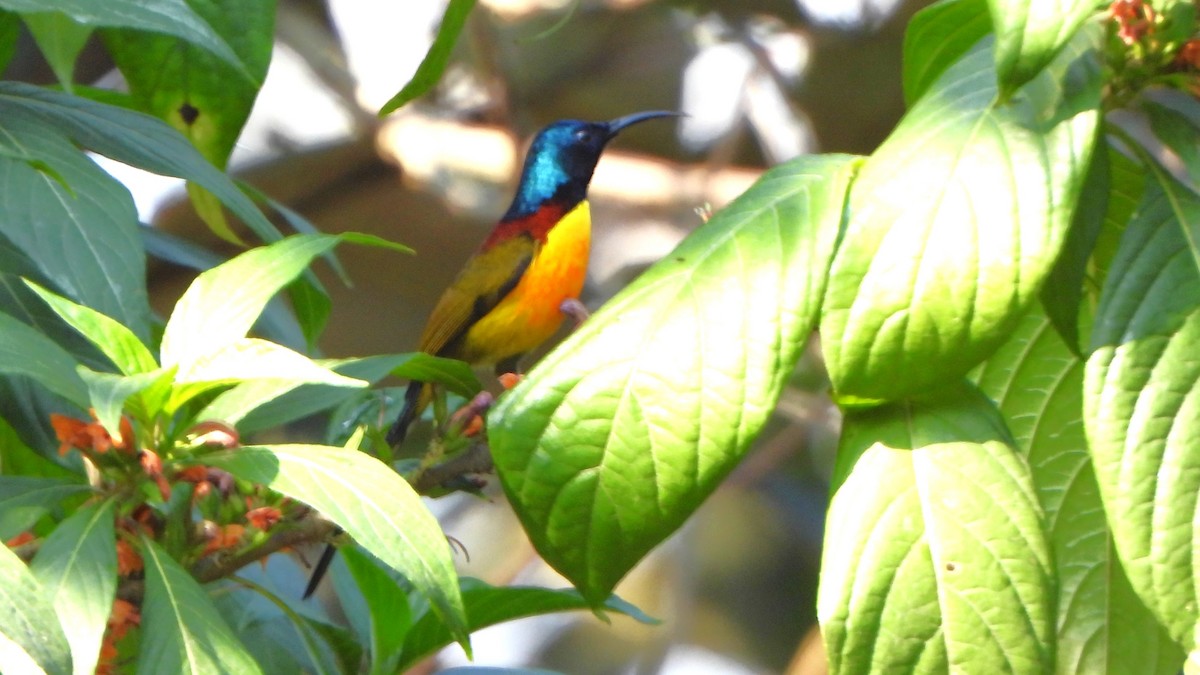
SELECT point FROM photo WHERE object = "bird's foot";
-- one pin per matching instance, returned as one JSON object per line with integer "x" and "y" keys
{"x": 510, "y": 380}
{"x": 575, "y": 309}
{"x": 468, "y": 420}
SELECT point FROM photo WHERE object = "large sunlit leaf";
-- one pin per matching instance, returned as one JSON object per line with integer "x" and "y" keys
{"x": 24, "y": 351}
{"x": 489, "y": 605}
{"x": 172, "y": 17}
{"x": 434, "y": 63}
{"x": 935, "y": 559}
{"x": 1029, "y": 33}
{"x": 77, "y": 567}
{"x": 29, "y": 628}
{"x": 1142, "y": 405}
{"x": 1037, "y": 382}
{"x": 954, "y": 222}
{"x": 368, "y": 500}
{"x": 617, "y": 436}
{"x": 131, "y": 137}
{"x": 936, "y": 37}
{"x": 181, "y": 629}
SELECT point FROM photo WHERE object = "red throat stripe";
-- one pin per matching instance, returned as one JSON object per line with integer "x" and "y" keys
{"x": 537, "y": 225}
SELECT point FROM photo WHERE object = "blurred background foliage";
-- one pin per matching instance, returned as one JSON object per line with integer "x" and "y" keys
{"x": 761, "y": 81}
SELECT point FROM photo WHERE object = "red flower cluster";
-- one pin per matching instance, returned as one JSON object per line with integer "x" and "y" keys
{"x": 90, "y": 436}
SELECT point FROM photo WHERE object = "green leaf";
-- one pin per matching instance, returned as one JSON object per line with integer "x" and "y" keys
{"x": 1180, "y": 136}
{"x": 172, "y": 17}
{"x": 222, "y": 303}
{"x": 29, "y": 630}
{"x": 278, "y": 636}
{"x": 265, "y": 370}
{"x": 77, "y": 567}
{"x": 277, "y": 322}
{"x": 368, "y": 500}
{"x": 1127, "y": 181}
{"x": 60, "y": 39}
{"x": 1141, "y": 403}
{"x": 78, "y": 226}
{"x": 24, "y": 351}
{"x": 1062, "y": 293}
{"x": 1036, "y": 381}
{"x": 490, "y": 605}
{"x": 25, "y": 499}
{"x": 108, "y": 394}
{"x": 181, "y": 630}
{"x": 936, "y": 37}
{"x": 1030, "y": 33}
{"x": 10, "y": 32}
{"x": 200, "y": 95}
{"x": 127, "y": 136}
{"x": 388, "y": 607}
{"x": 613, "y": 439}
{"x": 18, "y": 459}
{"x": 434, "y": 63}
{"x": 117, "y": 342}
{"x": 265, "y": 404}
{"x": 252, "y": 359}
{"x": 954, "y": 223}
{"x": 934, "y": 558}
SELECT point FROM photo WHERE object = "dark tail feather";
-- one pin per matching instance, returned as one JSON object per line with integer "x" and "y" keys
{"x": 320, "y": 570}
{"x": 415, "y": 401}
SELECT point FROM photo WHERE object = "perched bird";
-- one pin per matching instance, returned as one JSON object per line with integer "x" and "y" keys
{"x": 508, "y": 298}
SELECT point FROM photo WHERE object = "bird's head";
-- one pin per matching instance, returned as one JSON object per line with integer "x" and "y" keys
{"x": 563, "y": 156}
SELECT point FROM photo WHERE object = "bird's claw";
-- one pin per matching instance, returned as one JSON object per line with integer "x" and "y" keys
{"x": 575, "y": 309}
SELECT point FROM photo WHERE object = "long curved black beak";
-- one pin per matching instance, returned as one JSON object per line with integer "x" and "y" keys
{"x": 615, "y": 126}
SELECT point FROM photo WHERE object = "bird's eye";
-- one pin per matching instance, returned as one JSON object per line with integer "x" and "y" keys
{"x": 583, "y": 135}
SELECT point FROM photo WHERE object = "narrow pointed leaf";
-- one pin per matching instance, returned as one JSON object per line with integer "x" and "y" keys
{"x": 934, "y": 558}
{"x": 117, "y": 342}
{"x": 108, "y": 393}
{"x": 222, "y": 303}
{"x": 24, "y": 351}
{"x": 387, "y": 603}
{"x": 1142, "y": 405}
{"x": 434, "y": 63}
{"x": 954, "y": 222}
{"x": 1037, "y": 382}
{"x": 28, "y": 623}
{"x": 60, "y": 39}
{"x": 936, "y": 38}
{"x": 77, "y": 567}
{"x": 490, "y": 605}
{"x": 368, "y": 500}
{"x": 181, "y": 629}
{"x": 172, "y": 17}
{"x": 612, "y": 440}
{"x": 1029, "y": 33}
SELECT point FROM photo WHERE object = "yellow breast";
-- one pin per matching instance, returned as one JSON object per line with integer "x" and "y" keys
{"x": 530, "y": 314}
